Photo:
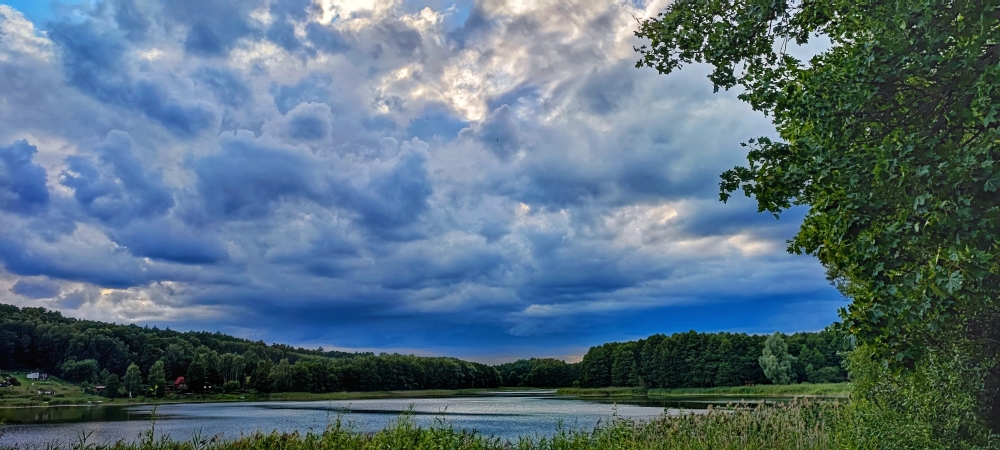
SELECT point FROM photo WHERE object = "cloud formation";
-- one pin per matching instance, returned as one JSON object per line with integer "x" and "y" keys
{"x": 486, "y": 179}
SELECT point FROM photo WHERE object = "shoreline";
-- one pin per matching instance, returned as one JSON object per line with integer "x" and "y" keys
{"x": 294, "y": 396}
{"x": 791, "y": 391}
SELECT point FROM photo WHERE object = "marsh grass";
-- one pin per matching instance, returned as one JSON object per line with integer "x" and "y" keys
{"x": 800, "y": 425}
{"x": 764, "y": 390}
{"x": 837, "y": 390}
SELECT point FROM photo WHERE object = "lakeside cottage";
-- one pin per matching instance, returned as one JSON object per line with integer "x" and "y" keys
{"x": 39, "y": 376}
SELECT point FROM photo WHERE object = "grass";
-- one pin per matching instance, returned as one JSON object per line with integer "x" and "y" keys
{"x": 764, "y": 390}
{"x": 603, "y": 392}
{"x": 839, "y": 390}
{"x": 65, "y": 393}
{"x": 800, "y": 425}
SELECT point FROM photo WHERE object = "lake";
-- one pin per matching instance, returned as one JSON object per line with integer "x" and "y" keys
{"x": 504, "y": 414}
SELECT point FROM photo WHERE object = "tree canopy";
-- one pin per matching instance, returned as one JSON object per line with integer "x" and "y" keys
{"x": 889, "y": 136}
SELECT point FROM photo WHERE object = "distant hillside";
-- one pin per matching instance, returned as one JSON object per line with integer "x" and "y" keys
{"x": 90, "y": 351}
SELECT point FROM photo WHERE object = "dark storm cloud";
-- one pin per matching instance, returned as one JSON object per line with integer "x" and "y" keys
{"x": 22, "y": 182}
{"x": 247, "y": 177}
{"x": 131, "y": 19}
{"x": 213, "y": 26}
{"x": 499, "y": 133}
{"x": 105, "y": 270}
{"x": 326, "y": 39}
{"x": 488, "y": 177}
{"x": 397, "y": 194}
{"x": 229, "y": 87}
{"x": 166, "y": 241}
{"x": 95, "y": 63}
{"x": 604, "y": 90}
{"x": 116, "y": 187}
{"x": 35, "y": 288}
{"x": 309, "y": 122}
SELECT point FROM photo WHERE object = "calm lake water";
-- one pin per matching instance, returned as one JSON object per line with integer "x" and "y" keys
{"x": 505, "y": 414}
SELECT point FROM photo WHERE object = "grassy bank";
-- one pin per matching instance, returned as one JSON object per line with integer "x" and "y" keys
{"x": 799, "y": 425}
{"x": 766, "y": 390}
{"x": 63, "y": 393}
{"x": 841, "y": 390}
{"x": 68, "y": 394}
{"x": 603, "y": 392}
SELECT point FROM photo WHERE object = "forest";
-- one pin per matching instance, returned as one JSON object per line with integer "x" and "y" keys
{"x": 710, "y": 359}
{"x": 91, "y": 352}
{"x": 101, "y": 353}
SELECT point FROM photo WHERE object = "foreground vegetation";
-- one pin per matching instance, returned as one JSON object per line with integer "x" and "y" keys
{"x": 795, "y": 426}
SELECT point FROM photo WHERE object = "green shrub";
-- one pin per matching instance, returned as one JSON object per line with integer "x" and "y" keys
{"x": 934, "y": 406}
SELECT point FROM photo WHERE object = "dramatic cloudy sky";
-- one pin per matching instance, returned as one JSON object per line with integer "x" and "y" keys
{"x": 485, "y": 179}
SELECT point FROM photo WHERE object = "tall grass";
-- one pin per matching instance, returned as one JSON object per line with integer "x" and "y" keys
{"x": 799, "y": 425}
{"x": 769, "y": 390}
{"x": 818, "y": 389}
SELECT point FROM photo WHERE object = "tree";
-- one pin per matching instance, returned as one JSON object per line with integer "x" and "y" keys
{"x": 132, "y": 380}
{"x": 85, "y": 370}
{"x": 890, "y": 137}
{"x": 281, "y": 376}
{"x": 157, "y": 378}
{"x": 112, "y": 386}
{"x": 197, "y": 374}
{"x": 775, "y": 360}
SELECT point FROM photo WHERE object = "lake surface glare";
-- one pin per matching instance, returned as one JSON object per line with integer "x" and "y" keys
{"x": 502, "y": 414}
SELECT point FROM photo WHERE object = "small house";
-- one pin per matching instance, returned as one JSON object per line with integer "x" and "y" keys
{"x": 46, "y": 392}
{"x": 33, "y": 376}
{"x": 180, "y": 384}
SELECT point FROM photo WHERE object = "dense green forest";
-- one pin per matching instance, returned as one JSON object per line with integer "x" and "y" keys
{"x": 89, "y": 351}
{"x": 709, "y": 359}
{"x": 102, "y": 353}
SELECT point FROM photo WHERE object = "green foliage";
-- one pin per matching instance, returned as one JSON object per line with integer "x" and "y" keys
{"x": 74, "y": 370}
{"x": 197, "y": 375}
{"x": 538, "y": 372}
{"x": 112, "y": 386}
{"x": 133, "y": 379}
{"x": 81, "y": 349}
{"x": 890, "y": 136}
{"x": 934, "y": 406}
{"x": 157, "y": 379}
{"x": 706, "y": 360}
{"x": 775, "y": 360}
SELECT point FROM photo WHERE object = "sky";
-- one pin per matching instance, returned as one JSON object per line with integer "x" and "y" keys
{"x": 487, "y": 179}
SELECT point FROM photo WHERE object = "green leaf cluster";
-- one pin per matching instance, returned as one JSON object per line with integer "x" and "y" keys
{"x": 889, "y": 136}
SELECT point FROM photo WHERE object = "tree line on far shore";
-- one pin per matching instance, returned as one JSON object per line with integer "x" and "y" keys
{"x": 694, "y": 359}
{"x": 133, "y": 360}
